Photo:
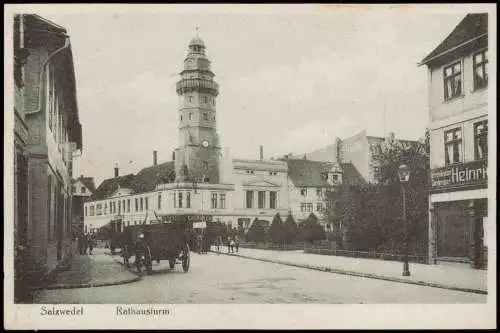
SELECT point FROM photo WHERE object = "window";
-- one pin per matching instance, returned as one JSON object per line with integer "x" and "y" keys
{"x": 146, "y": 202}
{"x": 319, "y": 206}
{"x": 222, "y": 199}
{"x": 105, "y": 208}
{"x": 175, "y": 200}
{"x": 180, "y": 199}
{"x": 135, "y": 222}
{"x": 318, "y": 192}
{"x": 249, "y": 199}
{"x": 188, "y": 200}
{"x": 453, "y": 146}
{"x": 272, "y": 200}
{"x": 159, "y": 200}
{"x": 261, "y": 199}
{"x": 128, "y": 205}
{"x": 191, "y": 116}
{"x": 136, "y": 204}
{"x": 453, "y": 80}
{"x": 91, "y": 210}
{"x": 82, "y": 189}
{"x": 302, "y": 206}
{"x": 190, "y": 99}
{"x": 128, "y": 223}
{"x": 119, "y": 207}
{"x": 481, "y": 139}
{"x": 205, "y": 165}
{"x": 142, "y": 204}
{"x": 481, "y": 70}
{"x": 181, "y": 117}
{"x": 85, "y": 211}
{"x": 205, "y": 116}
{"x": 214, "y": 200}
{"x": 99, "y": 209}
{"x": 309, "y": 207}
{"x": 303, "y": 192}
{"x": 123, "y": 205}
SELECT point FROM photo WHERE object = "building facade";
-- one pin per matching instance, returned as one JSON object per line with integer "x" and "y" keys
{"x": 458, "y": 110}
{"x": 82, "y": 190}
{"x": 48, "y": 119}
{"x": 204, "y": 181}
{"x": 357, "y": 150}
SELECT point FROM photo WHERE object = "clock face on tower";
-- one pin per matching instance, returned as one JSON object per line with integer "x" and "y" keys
{"x": 204, "y": 143}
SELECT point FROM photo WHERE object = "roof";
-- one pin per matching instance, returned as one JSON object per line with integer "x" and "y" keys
{"x": 145, "y": 180}
{"x": 88, "y": 182}
{"x": 148, "y": 178}
{"x": 36, "y": 21}
{"x": 196, "y": 41}
{"x": 351, "y": 175}
{"x": 471, "y": 27}
{"x": 110, "y": 185}
{"x": 307, "y": 173}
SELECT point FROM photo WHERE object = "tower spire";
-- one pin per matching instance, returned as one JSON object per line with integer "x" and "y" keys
{"x": 196, "y": 33}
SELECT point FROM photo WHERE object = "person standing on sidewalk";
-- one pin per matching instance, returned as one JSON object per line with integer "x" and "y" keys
{"x": 229, "y": 244}
{"x": 232, "y": 245}
{"x": 90, "y": 241}
{"x": 237, "y": 243}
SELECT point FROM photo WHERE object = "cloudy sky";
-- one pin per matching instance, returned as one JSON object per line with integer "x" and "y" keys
{"x": 291, "y": 78}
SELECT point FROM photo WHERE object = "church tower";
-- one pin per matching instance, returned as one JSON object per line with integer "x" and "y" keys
{"x": 197, "y": 155}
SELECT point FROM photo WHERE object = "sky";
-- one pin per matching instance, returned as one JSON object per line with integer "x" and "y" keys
{"x": 291, "y": 78}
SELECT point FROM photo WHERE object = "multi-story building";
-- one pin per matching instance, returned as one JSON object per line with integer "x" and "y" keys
{"x": 358, "y": 150}
{"x": 203, "y": 180}
{"x": 47, "y": 112}
{"x": 83, "y": 188}
{"x": 458, "y": 112}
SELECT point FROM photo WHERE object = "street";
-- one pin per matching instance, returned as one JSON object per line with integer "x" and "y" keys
{"x": 217, "y": 279}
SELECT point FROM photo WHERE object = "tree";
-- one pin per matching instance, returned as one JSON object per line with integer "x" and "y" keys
{"x": 311, "y": 230}
{"x": 290, "y": 230}
{"x": 276, "y": 231}
{"x": 257, "y": 231}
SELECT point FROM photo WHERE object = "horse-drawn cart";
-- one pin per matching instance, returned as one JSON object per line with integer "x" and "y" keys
{"x": 165, "y": 241}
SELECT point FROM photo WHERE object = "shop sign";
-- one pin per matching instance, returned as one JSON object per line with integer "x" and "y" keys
{"x": 461, "y": 175}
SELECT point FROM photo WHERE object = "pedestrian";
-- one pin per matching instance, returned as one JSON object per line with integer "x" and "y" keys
{"x": 237, "y": 243}
{"x": 232, "y": 245}
{"x": 85, "y": 243}
{"x": 229, "y": 245}
{"x": 90, "y": 242}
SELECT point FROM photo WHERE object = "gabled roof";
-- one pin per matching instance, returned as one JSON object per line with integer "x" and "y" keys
{"x": 148, "y": 178}
{"x": 88, "y": 182}
{"x": 110, "y": 185}
{"x": 307, "y": 173}
{"x": 471, "y": 27}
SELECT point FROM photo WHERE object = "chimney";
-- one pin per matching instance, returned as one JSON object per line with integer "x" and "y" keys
{"x": 116, "y": 170}
{"x": 261, "y": 152}
{"x": 155, "y": 157}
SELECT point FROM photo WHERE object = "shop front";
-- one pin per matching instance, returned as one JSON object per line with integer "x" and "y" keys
{"x": 458, "y": 213}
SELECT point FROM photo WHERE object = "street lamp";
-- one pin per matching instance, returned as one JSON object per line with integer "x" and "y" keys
{"x": 404, "y": 177}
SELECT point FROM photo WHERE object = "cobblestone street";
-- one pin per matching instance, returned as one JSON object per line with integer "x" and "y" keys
{"x": 215, "y": 278}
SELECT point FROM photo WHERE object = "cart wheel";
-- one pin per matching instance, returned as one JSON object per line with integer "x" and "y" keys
{"x": 186, "y": 259}
{"x": 148, "y": 261}
{"x": 171, "y": 263}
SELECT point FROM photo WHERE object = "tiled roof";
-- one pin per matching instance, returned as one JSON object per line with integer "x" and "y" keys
{"x": 305, "y": 172}
{"x": 144, "y": 181}
{"x": 110, "y": 185}
{"x": 148, "y": 178}
{"x": 351, "y": 175}
{"x": 88, "y": 182}
{"x": 473, "y": 25}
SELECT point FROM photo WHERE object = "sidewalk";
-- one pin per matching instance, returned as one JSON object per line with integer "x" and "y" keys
{"x": 439, "y": 276}
{"x": 87, "y": 271}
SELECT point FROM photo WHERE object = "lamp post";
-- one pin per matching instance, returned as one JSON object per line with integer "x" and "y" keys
{"x": 404, "y": 177}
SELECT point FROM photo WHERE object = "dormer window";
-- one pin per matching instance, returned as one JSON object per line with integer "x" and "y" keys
{"x": 303, "y": 192}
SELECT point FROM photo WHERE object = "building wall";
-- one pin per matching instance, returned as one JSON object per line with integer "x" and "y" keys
{"x": 311, "y": 197}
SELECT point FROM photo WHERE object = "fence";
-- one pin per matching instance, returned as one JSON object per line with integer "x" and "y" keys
{"x": 272, "y": 246}
{"x": 422, "y": 259}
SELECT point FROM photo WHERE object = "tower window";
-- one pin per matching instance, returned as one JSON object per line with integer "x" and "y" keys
{"x": 191, "y": 116}
{"x": 190, "y": 99}
{"x": 205, "y": 116}
{"x": 181, "y": 117}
